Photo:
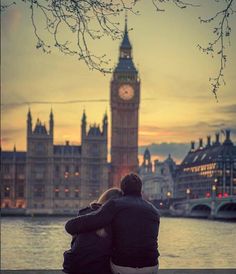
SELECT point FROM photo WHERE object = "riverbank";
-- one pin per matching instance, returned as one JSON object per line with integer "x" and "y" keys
{"x": 161, "y": 271}
{"x": 163, "y": 213}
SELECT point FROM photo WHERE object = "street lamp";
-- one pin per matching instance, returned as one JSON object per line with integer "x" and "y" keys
{"x": 161, "y": 204}
{"x": 168, "y": 194}
{"x": 213, "y": 188}
{"x": 213, "y": 192}
{"x": 188, "y": 193}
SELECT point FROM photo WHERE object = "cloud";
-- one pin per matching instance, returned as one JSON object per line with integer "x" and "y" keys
{"x": 11, "y": 131}
{"x": 52, "y": 102}
{"x": 217, "y": 125}
{"x": 9, "y": 136}
{"x": 184, "y": 133}
{"x": 162, "y": 150}
{"x": 230, "y": 109}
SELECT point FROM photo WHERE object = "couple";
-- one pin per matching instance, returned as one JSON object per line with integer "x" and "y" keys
{"x": 117, "y": 235}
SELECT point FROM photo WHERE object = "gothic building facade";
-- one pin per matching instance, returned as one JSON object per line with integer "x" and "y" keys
{"x": 48, "y": 178}
{"x": 158, "y": 178}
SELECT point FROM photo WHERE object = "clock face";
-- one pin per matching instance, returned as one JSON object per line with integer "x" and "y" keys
{"x": 126, "y": 92}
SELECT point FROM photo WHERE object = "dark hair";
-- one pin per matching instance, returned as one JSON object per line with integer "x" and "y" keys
{"x": 111, "y": 193}
{"x": 131, "y": 184}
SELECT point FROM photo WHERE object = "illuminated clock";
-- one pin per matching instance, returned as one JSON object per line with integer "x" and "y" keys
{"x": 126, "y": 92}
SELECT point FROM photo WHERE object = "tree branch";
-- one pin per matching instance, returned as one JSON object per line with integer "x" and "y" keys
{"x": 222, "y": 31}
{"x": 86, "y": 20}
{"x": 91, "y": 20}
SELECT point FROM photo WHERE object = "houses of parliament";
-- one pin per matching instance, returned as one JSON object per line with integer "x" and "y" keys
{"x": 52, "y": 179}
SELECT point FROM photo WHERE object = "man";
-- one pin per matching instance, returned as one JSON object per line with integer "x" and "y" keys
{"x": 135, "y": 226}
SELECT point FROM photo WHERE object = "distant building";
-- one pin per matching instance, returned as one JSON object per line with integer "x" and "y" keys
{"x": 158, "y": 180}
{"x": 50, "y": 178}
{"x": 13, "y": 179}
{"x": 208, "y": 170}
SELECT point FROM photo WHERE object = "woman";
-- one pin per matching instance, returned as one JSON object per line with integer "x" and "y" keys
{"x": 90, "y": 252}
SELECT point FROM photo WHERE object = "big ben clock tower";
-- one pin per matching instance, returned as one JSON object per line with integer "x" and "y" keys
{"x": 124, "y": 100}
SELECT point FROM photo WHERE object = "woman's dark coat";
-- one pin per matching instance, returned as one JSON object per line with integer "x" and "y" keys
{"x": 89, "y": 253}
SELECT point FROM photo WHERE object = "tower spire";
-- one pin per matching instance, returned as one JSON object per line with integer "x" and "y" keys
{"x": 125, "y": 44}
{"x": 29, "y": 122}
{"x": 51, "y": 112}
{"x": 83, "y": 125}
{"x": 125, "y": 63}
{"x": 51, "y": 123}
{"x": 29, "y": 114}
{"x": 126, "y": 21}
{"x": 84, "y": 118}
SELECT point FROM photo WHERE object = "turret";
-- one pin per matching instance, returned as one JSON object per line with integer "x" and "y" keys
{"x": 217, "y": 142}
{"x": 147, "y": 164}
{"x": 208, "y": 141}
{"x": 51, "y": 123}
{"x": 105, "y": 124}
{"x": 200, "y": 143}
{"x": 29, "y": 123}
{"x": 83, "y": 126}
{"x": 227, "y": 138}
{"x": 146, "y": 156}
{"x": 192, "y": 146}
{"x": 227, "y": 134}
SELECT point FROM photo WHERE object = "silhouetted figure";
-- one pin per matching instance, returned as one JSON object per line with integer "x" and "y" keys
{"x": 135, "y": 225}
{"x": 91, "y": 251}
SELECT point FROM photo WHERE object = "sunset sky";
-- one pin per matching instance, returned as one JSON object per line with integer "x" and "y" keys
{"x": 177, "y": 105}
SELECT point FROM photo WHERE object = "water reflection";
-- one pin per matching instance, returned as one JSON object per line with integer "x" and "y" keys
{"x": 38, "y": 243}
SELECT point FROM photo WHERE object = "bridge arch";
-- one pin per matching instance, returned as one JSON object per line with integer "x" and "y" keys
{"x": 200, "y": 210}
{"x": 226, "y": 210}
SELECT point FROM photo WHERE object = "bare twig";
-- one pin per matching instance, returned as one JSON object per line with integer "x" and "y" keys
{"x": 87, "y": 20}
{"x": 90, "y": 20}
{"x": 222, "y": 31}
{"x": 179, "y": 3}
{"x": 6, "y": 6}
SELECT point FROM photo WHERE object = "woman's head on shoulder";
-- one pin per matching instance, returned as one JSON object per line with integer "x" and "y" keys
{"x": 111, "y": 193}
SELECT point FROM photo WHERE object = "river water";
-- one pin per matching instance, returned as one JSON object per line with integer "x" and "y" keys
{"x": 38, "y": 243}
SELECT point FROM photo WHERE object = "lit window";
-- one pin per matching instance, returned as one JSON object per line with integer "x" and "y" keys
{"x": 7, "y": 191}
{"x": 77, "y": 171}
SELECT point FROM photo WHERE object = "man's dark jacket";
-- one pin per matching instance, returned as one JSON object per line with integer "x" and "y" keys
{"x": 135, "y": 226}
{"x": 89, "y": 253}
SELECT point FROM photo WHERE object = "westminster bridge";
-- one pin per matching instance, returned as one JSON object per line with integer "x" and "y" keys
{"x": 213, "y": 207}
